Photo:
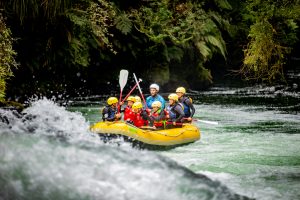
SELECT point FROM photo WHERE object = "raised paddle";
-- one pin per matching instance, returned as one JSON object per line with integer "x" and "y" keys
{"x": 140, "y": 89}
{"x": 122, "y": 81}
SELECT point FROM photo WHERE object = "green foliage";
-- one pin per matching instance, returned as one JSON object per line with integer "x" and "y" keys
{"x": 174, "y": 53}
{"x": 123, "y": 23}
{"x": 223, "y": 4}
{"x": 204, "y": 74}
{"x": 264, "y": 57}
{"x": 182, "y": 24}
{"x": 176, "y": 37}
{"x": 176, "y": 28}
{"x": 65, "y": 31}
{"x": 34, "y": 9}
{"x": 272, "y": 35}
{"x": 7, "y": 54}
{"x": 90, "y": 23}
{"x": 101, "y": 16}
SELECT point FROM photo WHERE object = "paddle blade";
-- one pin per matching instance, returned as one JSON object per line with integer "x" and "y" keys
{"x": 123, "y": 78}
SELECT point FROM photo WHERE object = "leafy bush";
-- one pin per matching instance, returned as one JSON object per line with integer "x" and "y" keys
{"x": 7, "y": 54}
{"x": 272, "y": 35}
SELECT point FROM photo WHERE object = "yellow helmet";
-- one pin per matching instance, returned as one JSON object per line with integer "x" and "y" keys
{"x": 137, "y": 105}
{"x": 173, "y": 96}
{"x": 181, "y": 89}
{"x": 156, "y": 104}
{"x": 137, "y": 99}
{"x": 131, "y": 98}
{"x": 112, "y": 100}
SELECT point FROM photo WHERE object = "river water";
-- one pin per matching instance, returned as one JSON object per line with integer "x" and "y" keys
{"x": 48, "y": 152}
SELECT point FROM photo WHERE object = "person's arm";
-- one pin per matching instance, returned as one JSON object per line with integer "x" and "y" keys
{"x": 131, "y": 118}
{"x": 104, "y": 113}
{"x": 160, "y": 117}
{"x": 146, "y": 116}
{"x": 122, "y": 109}
{"x": 119, "y": 106}
{"x": 189, "y": 103}
{"x": 180, "y": 112}
{"x": 111, "y": 119}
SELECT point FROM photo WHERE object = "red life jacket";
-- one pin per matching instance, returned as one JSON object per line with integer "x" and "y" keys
{"x": 138, "y": 120}
{"x": 161, "y": 122}
{"x": 128, "y": 114}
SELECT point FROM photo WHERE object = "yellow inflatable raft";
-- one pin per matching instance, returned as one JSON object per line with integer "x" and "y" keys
{"x": 167, "y": 137}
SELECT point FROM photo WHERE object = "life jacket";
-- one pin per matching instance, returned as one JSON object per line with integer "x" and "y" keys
{"x": 138, "y": 120}
{"x": 128, "y": 114}
{"x": 157, "y": 97}
{"x": 161, "y": 122}
{"x": 186, "y": 107}
{"x": 110, "y": 113}
{"x": 172, "y": 113}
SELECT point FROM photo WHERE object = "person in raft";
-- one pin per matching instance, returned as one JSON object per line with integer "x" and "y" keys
{"x": 175, "y": 110}
{"x": 154, "y": 89}
{"x": 110, "y": 111}
{"x": 128, "y": 113}
{"x": 140, "y": 115}
{"x": 189, "y": 109}
{"x": 158, "y": 116}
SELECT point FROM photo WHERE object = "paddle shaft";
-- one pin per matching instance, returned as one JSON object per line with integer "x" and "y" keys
{"x": 120, "y": 99}
{"x": 177, "y": 123}
{"x": 130, "y": 92}
{"x": 140, "y": 89}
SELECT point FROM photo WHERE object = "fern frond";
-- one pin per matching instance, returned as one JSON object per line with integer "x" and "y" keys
{"x": 123, "y": 24}
{"x": 175, "y": 53}
{"x": 223, "y": 4}
{"x": 203, "y": 49}
{"x": 217, "y": 42}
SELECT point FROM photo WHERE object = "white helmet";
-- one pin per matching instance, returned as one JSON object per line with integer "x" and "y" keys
{"x": 154, "y": 86}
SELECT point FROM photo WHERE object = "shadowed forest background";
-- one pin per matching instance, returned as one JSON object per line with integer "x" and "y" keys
{"x": 64, "y": 47}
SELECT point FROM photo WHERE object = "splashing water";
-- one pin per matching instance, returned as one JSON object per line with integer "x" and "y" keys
{"x": 49, "y": 153}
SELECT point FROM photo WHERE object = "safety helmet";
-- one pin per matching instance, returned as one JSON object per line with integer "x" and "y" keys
{"x": 154, "y": 86}
{"x": 137, "y": 99}
{"x": 137, "y": 105}
{"x": 112, "y": 100}
{"x": 131, "y": 98}
{"x": 156, "y": 104}
{"x": 181, "y": 89}
{"x": 173, "y": 96}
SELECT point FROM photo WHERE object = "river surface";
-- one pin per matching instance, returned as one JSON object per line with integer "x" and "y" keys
{"x": 48, "y": 152}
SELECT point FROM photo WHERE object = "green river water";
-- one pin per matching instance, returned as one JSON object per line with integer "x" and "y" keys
{"x": 254, "y": 152}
